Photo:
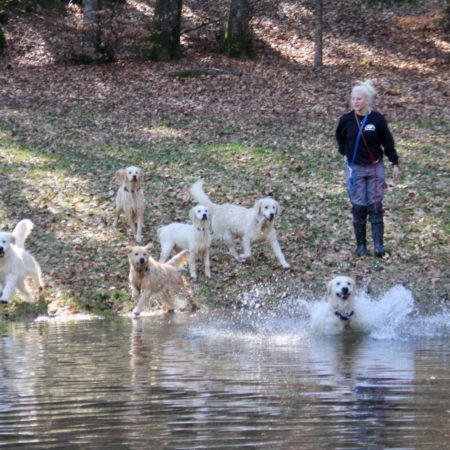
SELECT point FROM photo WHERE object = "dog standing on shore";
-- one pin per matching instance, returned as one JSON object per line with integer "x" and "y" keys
{"x": 17, "y": 264}
{"x": 254, "y": 224}
{"x": 148, "y": 277}
{"x": 130, "y": 199}
{"x": 195, "y": 237}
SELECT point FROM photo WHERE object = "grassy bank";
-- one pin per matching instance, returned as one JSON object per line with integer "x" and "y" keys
{"x": 61, "y": 177}
{"x": 249, "y": 128}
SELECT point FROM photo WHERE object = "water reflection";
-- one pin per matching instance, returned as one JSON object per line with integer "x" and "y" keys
{"x": 204, "y": 381}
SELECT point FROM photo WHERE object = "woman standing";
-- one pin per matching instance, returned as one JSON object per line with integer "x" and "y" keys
{"x": 364, "y": 138}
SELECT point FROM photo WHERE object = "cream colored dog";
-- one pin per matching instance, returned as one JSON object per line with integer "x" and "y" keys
{"x": 148, "y": 277}
{"x": 341, "y": 297}
{"x": 17, "y": 264}
{"x": 249, "y": 224}
{"x": 130, "y": 199}
{"x": 194, "y": 237}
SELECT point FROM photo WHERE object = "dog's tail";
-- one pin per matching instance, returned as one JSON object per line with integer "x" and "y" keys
{"x": 197, "y": 193}
{"x": 179, "y": 260}
{"x": 22, "y": 231}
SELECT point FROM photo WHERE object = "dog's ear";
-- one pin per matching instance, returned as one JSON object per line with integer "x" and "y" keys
{"x": 128, "y": 249}
{"x": 278, "y": 208}
{"x": 149, "y": 246}
{"x": 257, "y": 206}
{"x": 13, "y": 239}
{"x": 192, "y": 215}
{"x": 329, "y": 287}
{"x": 120, "y": 176}
{"x": 141, "y": 175}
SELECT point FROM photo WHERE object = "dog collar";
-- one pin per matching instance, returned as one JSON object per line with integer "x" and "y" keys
{"x": 344, "y": 316}
{"x": 132, "y": 192}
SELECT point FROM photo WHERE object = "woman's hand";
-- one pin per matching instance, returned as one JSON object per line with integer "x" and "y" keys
{"x": 395, "y": 173}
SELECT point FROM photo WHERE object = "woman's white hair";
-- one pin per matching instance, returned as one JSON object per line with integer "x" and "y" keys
{"x": 366, "y": 88}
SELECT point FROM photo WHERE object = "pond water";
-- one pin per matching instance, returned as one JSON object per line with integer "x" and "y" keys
{"x": 251, "y": 379}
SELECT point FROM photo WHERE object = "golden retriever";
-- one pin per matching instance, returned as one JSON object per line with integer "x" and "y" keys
{"x": 195, "y": 237}
{"x": 148, "y": 277}
{"x": 254, "y": 224}
{"x": 130, "y": 199}
{"x": 17, "y": 264}
{"x": 341, "y": 297}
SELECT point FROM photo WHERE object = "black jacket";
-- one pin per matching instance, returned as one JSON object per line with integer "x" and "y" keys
{"x": 376, "y": 134}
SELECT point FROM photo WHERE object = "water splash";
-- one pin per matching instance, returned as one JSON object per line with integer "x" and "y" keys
{"x": 393, "y": 316}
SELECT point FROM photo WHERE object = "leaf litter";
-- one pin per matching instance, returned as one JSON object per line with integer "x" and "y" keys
{"x": 249, "y": 128}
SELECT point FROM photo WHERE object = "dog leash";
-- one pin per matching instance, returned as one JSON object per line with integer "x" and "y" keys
{"x": 374, "y": 163}
{"x": 351, "y": 172}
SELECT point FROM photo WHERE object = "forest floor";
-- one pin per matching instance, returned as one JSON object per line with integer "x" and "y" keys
{"x": 255, "y": 128}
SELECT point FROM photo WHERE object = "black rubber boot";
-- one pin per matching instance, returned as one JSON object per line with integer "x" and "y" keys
{"x": 359, "y": 213}
{"x": 377, "y": 235}
{"x": 376, "y": 219}
{"x": 361, "y": 243}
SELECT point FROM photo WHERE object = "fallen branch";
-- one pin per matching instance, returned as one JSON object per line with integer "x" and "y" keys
{"x": 206, "y": 24}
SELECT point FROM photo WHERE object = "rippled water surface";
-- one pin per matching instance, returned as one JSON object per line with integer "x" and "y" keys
{"x": 254, "y": 379}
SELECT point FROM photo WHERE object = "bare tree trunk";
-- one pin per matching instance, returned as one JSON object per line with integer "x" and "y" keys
{"x": 237, "y": 41}
{"x": 318, "y": 33}
{"x": 2, "y": 40}
{"x": 91, "y": 28}
{"x": 446, "y": 21}
{"x": 164, "y": 42}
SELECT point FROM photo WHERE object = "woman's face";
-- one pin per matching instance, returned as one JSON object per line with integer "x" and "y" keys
{"x": 360, "y": 103}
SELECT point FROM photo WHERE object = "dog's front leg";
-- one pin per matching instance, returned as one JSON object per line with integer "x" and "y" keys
{"x": 134, "y": 293}
{"x": 8, "y": 289}
{"x": 192, "y": 266}
{"x": 206, "y": 261}
{"x": 140, "y": 304}
{"x": 165, "y": 252}
{"x": 277, "y": 250}
{"x": 132, "y": 222}
{"x": 116, "y": 219}
{"x": 140, "y": 223}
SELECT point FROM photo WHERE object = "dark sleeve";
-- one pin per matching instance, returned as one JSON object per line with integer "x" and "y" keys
{"x": 387, "y": 141}
{"x": 340, "y": 137}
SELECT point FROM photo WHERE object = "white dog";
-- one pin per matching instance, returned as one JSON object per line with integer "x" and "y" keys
{"x": 341, "y": 298}
{"x": 16, "y": 264}
{"x": 130, "y": 199}
{"x": 196, "y": 238}
{"x": 249, "y": 224}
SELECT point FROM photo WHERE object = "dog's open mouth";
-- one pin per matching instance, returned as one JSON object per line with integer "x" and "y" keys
{"x": 344, "y": 295}
{"x": 2, "y": 253}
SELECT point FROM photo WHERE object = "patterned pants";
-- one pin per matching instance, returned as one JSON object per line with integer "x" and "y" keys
{"x": 365, "y": 185}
